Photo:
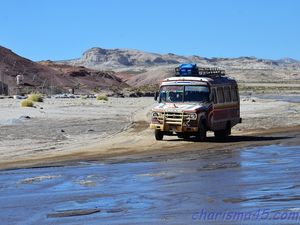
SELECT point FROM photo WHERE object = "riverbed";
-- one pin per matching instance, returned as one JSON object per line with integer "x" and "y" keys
{"x": 257, "y": 185}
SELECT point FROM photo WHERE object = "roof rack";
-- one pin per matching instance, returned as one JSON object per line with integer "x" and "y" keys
{"x": 194, "y": 71}
{"x": 206, "y": 71}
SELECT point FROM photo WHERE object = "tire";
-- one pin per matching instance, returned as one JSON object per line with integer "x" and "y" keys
{"x": 159, "y": 135}
{"x": 222, "y": 134}
{"x": 201, "y": 134}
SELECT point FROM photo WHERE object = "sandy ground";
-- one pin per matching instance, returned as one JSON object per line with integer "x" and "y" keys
{"x": 68, "y": 130}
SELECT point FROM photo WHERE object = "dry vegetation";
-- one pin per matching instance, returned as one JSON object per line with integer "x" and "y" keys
{"x": 35, "y": 97}
{"x": 27, "y": 103}
{"x": 102, "y": 97}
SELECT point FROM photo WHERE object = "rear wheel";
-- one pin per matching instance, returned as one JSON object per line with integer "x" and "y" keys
{"x": 159, "y": 135}
{"x": 222, "y": 134}
{"x": 201, "y": 134}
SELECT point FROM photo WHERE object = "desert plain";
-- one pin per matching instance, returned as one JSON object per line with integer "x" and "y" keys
{"x": 64, "y": 131}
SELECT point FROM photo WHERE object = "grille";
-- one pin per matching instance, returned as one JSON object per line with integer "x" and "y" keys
{"x": 176, "y": 118}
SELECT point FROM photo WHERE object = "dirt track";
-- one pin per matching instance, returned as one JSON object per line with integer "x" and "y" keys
{"x": 74, "y": 130}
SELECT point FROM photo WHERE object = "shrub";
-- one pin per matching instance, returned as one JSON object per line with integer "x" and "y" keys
{"x": 102, "y": 97}
{"x": 35, "y": 97}
{"x": 26, "y": 103}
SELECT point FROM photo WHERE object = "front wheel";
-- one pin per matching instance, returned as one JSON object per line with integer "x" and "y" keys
{"x": 159, "y": 135}
{"x": 201, "y": 134}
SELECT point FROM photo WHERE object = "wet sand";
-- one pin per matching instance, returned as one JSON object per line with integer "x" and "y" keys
{"x": 72, "y": 130}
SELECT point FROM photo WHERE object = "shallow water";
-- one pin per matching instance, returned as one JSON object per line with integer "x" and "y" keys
{"x": 286, "y": 98}
{"x": 250, "y": 186}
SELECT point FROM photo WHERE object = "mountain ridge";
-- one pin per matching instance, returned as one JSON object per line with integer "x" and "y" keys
{"x": 140, "y": 68}
{"x": 120, "y": 58}
{"x": 100, "y": 68}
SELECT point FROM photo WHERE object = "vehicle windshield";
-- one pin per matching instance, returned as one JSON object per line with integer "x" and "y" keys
{"x": 181, "y": 93}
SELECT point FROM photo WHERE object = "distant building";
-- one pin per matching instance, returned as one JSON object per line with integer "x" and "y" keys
{"x": 3, "y": 88}
{"x": 20, "y": 79}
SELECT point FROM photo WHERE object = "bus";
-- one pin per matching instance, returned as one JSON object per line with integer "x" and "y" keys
{"x": 195, "y": 101}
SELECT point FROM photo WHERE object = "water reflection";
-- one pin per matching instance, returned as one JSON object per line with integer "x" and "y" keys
{"x": 183, "y": 190}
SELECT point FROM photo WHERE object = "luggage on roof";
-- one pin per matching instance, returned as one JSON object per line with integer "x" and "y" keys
{"x": 192, "y": 70}
{"x": 186, "y": 70}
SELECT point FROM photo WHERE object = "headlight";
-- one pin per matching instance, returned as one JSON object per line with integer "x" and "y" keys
{"x": 193, "y": 116}
{"x": 155, "y": 114}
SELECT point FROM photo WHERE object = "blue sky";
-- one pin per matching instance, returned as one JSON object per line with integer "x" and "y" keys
{"x": 63, "y": 29}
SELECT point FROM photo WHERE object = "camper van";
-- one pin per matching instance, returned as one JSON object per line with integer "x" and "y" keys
{"x": 194, "y": 101}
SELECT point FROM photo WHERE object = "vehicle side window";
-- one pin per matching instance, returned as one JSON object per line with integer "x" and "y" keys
{"x": 215, "y": 96}
{"x": 220, "y": 95}
{"x": 227, "y": 94}
{"x": 234, "y": 94}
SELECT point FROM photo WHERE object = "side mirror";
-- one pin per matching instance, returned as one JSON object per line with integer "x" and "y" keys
{"x": 156, "y": 96}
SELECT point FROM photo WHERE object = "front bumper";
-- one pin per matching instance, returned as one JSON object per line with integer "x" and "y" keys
{"x": 174, "y": 122}
{"x": 173, "y": 128}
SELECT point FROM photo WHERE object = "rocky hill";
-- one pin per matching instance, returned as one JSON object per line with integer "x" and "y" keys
{"x": 99, "y": 58}
{"x": 86, "y": 79}
{"x": 94, "y": 70}
{"x": 50, "y": 77}
{"x": 141, "y": 68}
